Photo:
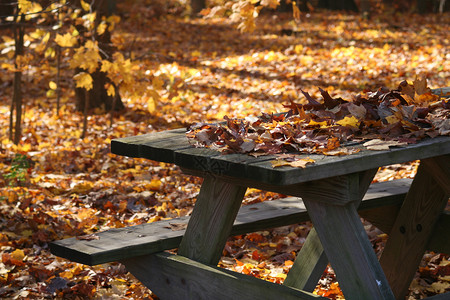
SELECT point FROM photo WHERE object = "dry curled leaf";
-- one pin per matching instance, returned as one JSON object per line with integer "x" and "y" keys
{"x": 177, "y": 226}
{"x": 378, "y": 144}
{"x": 297, "y": 163}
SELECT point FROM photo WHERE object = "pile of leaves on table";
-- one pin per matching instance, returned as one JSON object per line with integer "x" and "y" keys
{"x": 382, "y": 118}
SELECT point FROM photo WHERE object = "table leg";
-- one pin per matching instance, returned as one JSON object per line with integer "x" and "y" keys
{"x": 309, "y": 264}
{"x": 211, "y": 221}
{"x": 312, "y": 260}
{"x": 344, "y": 239}
{"x": 414, "y": 225}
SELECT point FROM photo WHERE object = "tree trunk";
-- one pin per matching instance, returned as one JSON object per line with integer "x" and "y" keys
{"x": 17, "y": 85}
{"x": 98, "y": 97}
{"x": 197, "y": 6}
{"x": 349, "y": 5}
{"x": 365, "y": 8}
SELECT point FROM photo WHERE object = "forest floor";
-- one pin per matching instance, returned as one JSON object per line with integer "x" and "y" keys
{"x": 54, "y": 185}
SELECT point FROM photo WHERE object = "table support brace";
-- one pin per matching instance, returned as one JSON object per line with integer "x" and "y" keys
{"x": 344, "y": 239}
{"x": 211, "y": 221}
{"x": 415, "y": 222}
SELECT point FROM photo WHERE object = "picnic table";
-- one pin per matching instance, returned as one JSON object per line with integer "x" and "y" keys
{"x": 331, "y": 190}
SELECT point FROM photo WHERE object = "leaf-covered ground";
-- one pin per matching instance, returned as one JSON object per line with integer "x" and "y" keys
{"x": 54, "y": 185}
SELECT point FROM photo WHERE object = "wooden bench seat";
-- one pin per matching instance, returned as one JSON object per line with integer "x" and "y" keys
{"x": 380, "y": 206}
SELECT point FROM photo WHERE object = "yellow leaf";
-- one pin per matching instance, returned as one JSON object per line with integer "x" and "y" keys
{"x": 379, "y": 145}
{"x": 85, "y": 6}
{"x": 83, "y": 80}
{"x": 295, "y": 11}
{"x": 86, "y": 57}
{"x": 392, "y": 119}
{"x": 270, "y": 3}
{"x": 438, "y": 287}
{"x": 196, "y": 53}
{"x": 425, "y": 98}
{"x": 101, "y": 28}
{"x": 18, "y": 254}
{"x": 349, "y": 121}
{"x": 281, "y": 275}
{"x": 52, "y": 85}
{"x": 279, "y": 163}
{"x": 110, "y": 90}
{"x": 50, "y": 93}
{"x": 24, "y": 6}
{"x": 66, "y": 40}
{"x": 302, "y": 163}
{"x": 314, "y": 123}
{"x": 157, "y": 83}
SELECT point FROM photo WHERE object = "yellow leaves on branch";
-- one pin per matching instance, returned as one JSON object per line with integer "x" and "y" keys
{"x": 27, "y": 7}
{"x": 110, "y": 90}
{"x": 101, "y": 28}
{"x": 66, "y": 40}
{"x": 295, "y": 12}
{"x": 270, "y": 3}
{"x": 83, "y": 80}
{"x": 119, "y": 70}
{"x": 86, "y": 57}
{"x": 245, "y": 12}
{"x": 85, "y": 6}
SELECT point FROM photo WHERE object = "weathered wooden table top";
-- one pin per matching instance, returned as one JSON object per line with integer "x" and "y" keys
{"x": 172, "y": 146}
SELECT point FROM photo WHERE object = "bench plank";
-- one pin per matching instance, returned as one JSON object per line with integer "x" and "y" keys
{"x": 120, "y": 243}
{"x": 176, "y": 277}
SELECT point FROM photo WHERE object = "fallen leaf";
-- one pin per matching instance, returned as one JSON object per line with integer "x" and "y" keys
{"x": 302, "y": 163}
{"x": 177, "y": 226}
{"x": 378, "y": 144}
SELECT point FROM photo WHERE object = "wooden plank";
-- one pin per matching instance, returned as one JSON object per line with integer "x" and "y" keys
{"x": 309, "y": 265}
{"x": 211, "y": 221}
{"x": 129, "y": 146}
{"x": 158, "y": 147}
{"x": 199, "y": 159}
{"x": 164, "y": 150}
{"x": 121, "y": 243}
{"x": 440, "y": 240}
{"x": 176, "y": 277}
{"x": 412, "y": 230}
{"x": 348, "y": 248}
{"x": 209, "y": 161}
